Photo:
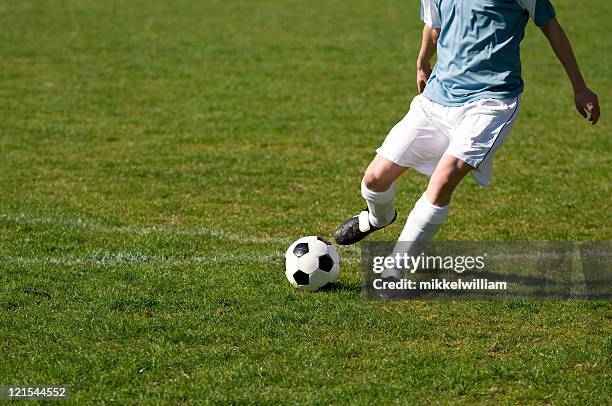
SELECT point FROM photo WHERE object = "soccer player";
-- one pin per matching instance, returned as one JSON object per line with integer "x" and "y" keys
{"x": 466, "y": 109}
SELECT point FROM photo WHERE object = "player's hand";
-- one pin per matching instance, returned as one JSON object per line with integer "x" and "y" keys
{"x": 423, "y": 72}
{"x": 587, "y": 103}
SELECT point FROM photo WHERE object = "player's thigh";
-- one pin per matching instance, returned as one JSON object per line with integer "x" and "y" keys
{"x": 481, "y": 132}
{"x": 448, "y": 173}
{"x": 418, "y": 140}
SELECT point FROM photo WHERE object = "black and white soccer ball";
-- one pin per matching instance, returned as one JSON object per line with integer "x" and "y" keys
{"x": 311, "y": 263}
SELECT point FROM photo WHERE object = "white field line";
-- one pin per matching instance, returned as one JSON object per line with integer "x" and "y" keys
{"x": 142, "y": 259}
{"x": 80, "y": 223}
{"x": 131, "y": 258}
{"x": 127, "y": 258}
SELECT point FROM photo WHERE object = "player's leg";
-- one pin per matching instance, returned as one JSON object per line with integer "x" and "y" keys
{"x": 378, "y": 190}
{"x": 482, "y": 129}
{"x": 431, "y": 209}
{"x": 413, "y": 142}
{"x": 449, "y": 172}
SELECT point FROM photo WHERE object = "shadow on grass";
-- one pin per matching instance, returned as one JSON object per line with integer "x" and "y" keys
{"x": 342, "y": 287}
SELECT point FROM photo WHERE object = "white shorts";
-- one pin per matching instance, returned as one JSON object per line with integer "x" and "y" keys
{"x": 472, "y": 133}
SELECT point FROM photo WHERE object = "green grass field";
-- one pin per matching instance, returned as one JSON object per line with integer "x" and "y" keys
{"x": 156, "y": 159}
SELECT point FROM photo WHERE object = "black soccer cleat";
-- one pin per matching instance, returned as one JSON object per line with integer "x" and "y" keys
{"x": 356, "y": 228}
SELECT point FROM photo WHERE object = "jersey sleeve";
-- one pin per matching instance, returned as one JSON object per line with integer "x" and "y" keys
{"x": 430, "y": 13}
{"x": 540, "y": 11}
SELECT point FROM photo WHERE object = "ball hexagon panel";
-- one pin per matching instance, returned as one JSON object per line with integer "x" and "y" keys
{"x": 291, "y": 262}
{"x": 308, "y": 263}
{"x": 333, "y": 253}
{"x": 334, "y": 273}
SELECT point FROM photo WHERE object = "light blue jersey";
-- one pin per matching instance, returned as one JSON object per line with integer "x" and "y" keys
{"x": 478, "y": 49}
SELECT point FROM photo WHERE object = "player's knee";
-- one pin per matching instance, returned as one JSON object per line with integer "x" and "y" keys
{"x": 375, "y": 180}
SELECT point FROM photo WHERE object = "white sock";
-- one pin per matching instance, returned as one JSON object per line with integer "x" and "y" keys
{"x": 423, "y": 223}
{"x": 380, "y": 204}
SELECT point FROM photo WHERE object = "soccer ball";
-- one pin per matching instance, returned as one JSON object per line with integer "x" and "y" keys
{"x": 311, "y": 263}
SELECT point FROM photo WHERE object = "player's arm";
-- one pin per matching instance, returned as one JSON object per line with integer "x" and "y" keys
{"x": 428, "y": 50}
{"x": 586, "y": 100}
